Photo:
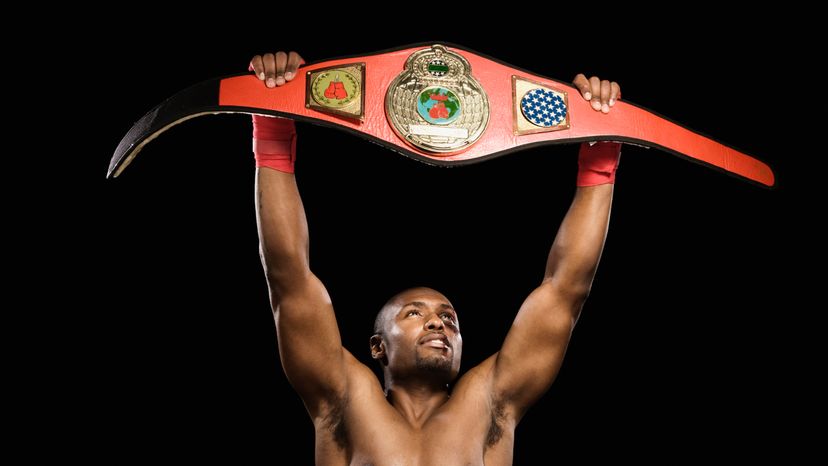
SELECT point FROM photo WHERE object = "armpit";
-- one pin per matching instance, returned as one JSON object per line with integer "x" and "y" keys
{"x": 496, "y": 423}
{"x": 334, "y": 423}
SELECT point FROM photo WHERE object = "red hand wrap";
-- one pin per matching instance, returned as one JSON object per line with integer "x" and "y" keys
{"x": 597, "y": 163}
{"x": 274, "y": 142}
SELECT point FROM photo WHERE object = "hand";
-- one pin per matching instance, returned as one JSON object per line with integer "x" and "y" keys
{"x": 601, "y": 94}
{"x": 276, "y": 69}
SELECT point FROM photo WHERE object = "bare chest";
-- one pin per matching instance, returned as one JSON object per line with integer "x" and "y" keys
{"x": 448, "y": 438}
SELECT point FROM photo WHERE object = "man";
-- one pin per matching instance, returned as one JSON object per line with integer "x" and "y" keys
{"x": 416, "y": 419}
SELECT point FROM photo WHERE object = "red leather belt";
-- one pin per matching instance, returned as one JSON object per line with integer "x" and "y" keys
{"x": 440, "y": 104}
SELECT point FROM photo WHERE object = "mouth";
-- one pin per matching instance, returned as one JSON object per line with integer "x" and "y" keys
{"x": 436, "y": 341}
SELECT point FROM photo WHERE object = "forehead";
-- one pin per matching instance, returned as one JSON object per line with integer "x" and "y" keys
{"x": 422, "y": 295}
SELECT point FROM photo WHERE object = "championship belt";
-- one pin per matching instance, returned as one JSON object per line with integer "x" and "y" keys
{"x": 439, "y": 104}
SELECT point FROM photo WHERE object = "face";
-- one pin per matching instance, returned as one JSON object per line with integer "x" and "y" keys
{"x": 421, "y": 336}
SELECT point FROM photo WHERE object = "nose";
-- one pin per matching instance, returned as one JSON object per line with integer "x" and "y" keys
{"x": 434, "y": 323}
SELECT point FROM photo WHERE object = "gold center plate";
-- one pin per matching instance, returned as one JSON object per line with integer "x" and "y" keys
{"x": 435, "y": 104}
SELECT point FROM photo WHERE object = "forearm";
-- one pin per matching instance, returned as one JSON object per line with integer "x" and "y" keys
{"x": 283, "y": 229}
{"x": 573, "y": 258}
{"x": 310, "y": 347}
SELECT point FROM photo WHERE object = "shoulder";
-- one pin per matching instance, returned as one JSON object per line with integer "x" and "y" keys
{"x": 478, "y": 380}
{"x": 478, "y": 386}
{"x": 362, "y": 381}
{"x": 475, "y": 391}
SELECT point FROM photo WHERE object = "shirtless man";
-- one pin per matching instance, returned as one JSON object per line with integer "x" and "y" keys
{"x": 417, "y": 419}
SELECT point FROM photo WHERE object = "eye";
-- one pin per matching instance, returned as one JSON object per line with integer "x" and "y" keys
{"x": 448, "y": 316}
{"x": 412, "y": 312}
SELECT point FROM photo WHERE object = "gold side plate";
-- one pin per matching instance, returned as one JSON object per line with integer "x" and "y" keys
{"x": 522, "y": 125}
{"x": 337, "y": 90}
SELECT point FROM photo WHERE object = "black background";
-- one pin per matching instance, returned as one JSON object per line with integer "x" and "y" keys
{"x": 686, "y": 347}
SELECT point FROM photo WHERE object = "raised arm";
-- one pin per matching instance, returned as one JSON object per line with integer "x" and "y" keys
{"x": 534, "y": 348}
{"x": 309, "y": 342}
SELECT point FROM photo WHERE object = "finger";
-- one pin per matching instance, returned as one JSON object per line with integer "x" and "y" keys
{"x": 269, "y": 69}
{"x": 281, "y": 62}
{"x": 595, "y": 89}
{"x": 615, "y": 93}
{"x": 582, "y": 84}
{"x": 294, "y": 60}
{"x": 605, "y": 96}
{"x": 257, "y": 67}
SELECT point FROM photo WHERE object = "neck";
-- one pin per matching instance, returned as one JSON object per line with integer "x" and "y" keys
{"x": 416, "y": 400}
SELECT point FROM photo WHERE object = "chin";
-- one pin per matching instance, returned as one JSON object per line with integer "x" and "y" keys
{"x": 435, "y": 365}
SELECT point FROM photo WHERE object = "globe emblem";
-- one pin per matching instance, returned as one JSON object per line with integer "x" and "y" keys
{"x": 438, "y": 105}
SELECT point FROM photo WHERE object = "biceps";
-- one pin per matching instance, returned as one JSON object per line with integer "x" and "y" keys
{"x": 535, "y": 346}
{"x": 309, "y": 343}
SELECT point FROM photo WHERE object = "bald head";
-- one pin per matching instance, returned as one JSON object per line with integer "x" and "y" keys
{"x": 393, "y": 305}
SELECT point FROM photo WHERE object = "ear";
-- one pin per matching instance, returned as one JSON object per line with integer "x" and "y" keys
{"x": 377, "y": 347}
